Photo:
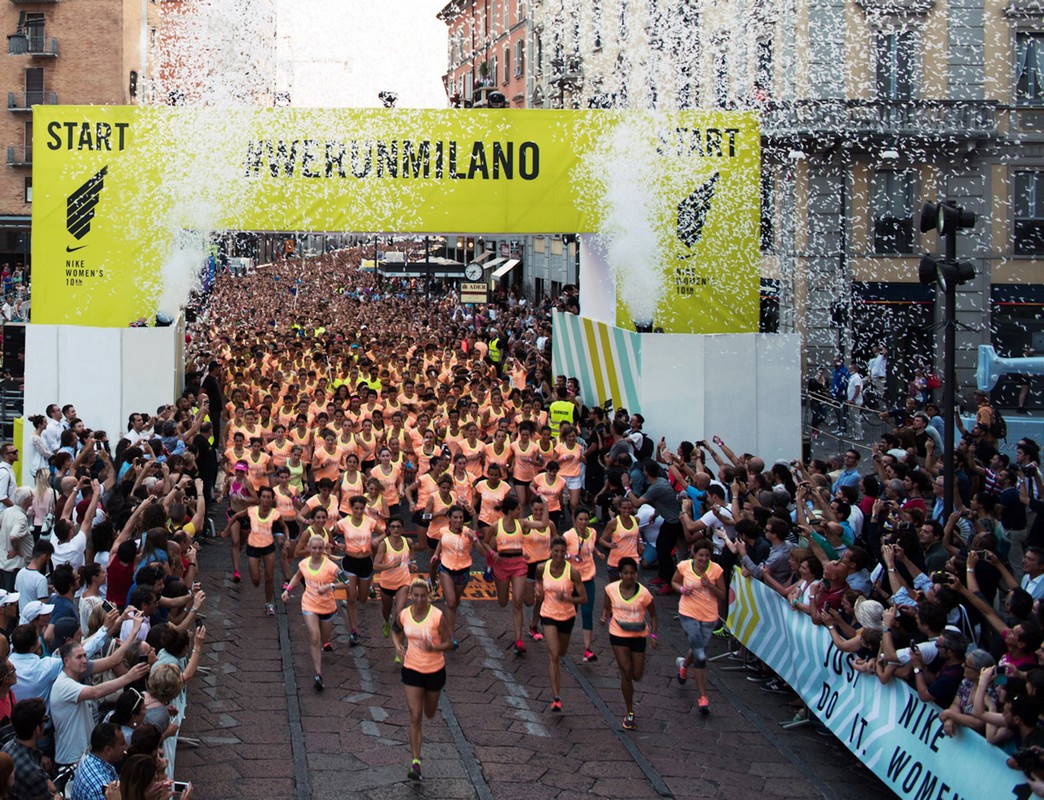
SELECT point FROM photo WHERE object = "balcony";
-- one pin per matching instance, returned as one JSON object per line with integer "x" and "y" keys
{"x": 24, "y": 101}
{"x": 20, "y": 155}
{"x": 33, "y": 44}
{"x": 873, "y": 119}
{"x": 566, "y": 70}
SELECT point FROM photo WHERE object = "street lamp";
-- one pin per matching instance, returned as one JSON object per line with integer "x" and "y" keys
{"x": 947, "y": 273}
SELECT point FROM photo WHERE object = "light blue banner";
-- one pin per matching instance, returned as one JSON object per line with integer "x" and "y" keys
{"x": 888, "y": 727}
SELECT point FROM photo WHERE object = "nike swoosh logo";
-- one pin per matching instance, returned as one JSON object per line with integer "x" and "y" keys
{"x": 74, "y": 249}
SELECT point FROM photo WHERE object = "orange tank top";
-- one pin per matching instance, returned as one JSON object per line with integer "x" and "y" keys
{"x": 508, "y": 541}
{"x": 536, "y": 544}
{"x": 285, "y": 503}
{"x": 350, "y": 489}
{"x": 630, "y": 611}
{"x": 489, "y": 511}
{"x": 581, "y": 552}
{"x": 626, "y": 540}
{"x": 456, "y": 549}
{"x": 358, "y": 539}
{"x": 317, "y": 597}
{"x": 261, "y": 528}
{"x": 698, "y": 601}
{"x": 421, "y": 635}
{"x": 398, "y": 576}
{"x": 439, "y": 524}
{"x": 280, "y": 455}
{"x": 555, "y": 590}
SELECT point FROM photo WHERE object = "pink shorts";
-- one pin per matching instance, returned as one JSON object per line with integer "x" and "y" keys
{"x": 510, "y": 567}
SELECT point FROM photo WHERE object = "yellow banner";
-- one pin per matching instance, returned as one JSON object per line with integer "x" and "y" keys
{"x": 119, "y": 192}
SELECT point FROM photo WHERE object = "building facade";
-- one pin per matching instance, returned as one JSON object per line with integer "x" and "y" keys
{"x": 91, "y": 52}
{"x": 869, "y": 108}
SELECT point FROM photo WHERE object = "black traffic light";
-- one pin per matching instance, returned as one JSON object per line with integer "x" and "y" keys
{"x": 945, "y": 219}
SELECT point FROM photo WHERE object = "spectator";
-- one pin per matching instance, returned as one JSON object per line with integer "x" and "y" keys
{"x": 70, "y": 542}
{"x": 31, "y": 583}
{"x": 52, "y": 434}
{"x": 32, "y": 782}
{"x": 8, "y": 481}
{"x": 16, "y": 541}
{"x": 951, "y": 647}
{"x": 97, "y": 768}
{"x": 73, "y": 703}
{"x": 664, "y": 500}
{"x": 850, "y": 474}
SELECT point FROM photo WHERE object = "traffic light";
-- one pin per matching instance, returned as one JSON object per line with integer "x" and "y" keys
{"x": 945, "y": 219}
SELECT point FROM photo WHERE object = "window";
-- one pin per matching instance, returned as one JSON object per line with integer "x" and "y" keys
{"x": 507, "y": 65}
{"x": 538, "y": 54}
{"x": 623, "y": 20}
{"x": 893, "y": 213}
{"x": 895, "y": 66}
{"x": 768, "y": 233}
{"x": 763, "y": 69}
{"x": 1029, "y": 69}
{"x": 721, "y": 79}
{"x": 492, "y": 74}
{"x": 1028, "y": 203}
{"x": 34, "y": 86}
{"x": 28, "y": 190}
{"x": 34, "y": 29}
{"x": 596, "y": 23}
{"x": 520, "y": 58}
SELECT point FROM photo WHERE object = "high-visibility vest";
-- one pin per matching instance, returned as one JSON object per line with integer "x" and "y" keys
{"x": 494, "y": 350}
{"x": 560, "y": 411}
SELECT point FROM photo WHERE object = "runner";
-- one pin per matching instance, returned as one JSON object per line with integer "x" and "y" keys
{"x": 393, "y": 564}
{"x": 621, "y": 538}
{"x": 626, "y": 605}
{"x": 701, "y": 584}
{"x": 358, "y": 530}
{"x": 572, "y": 461}
{"x": 262, "y": 542}
{"x": 241, "y": 496}
{"x": 288, "y": 501}
{"x": 526, "y": 460}
{"x": 552, "y": 487}
{"x": 436, "y": 512}
{"x": 318, "y": 605}
{"x": 560, "y": 590}
{"x": 351, "y": 483}
{"x": 537, "y": 533}
{"x": 509, "y": 565}
{"x": 421, "y": 634}
{"x": 581, "y": 550}
{"x": 389, "y": 476}
{"x": 453, "y": 555}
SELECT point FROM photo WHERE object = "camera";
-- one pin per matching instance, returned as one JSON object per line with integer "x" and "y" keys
{"x": 940, "y": 576}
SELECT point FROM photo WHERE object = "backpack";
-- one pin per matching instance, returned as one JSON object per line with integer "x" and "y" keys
{"x": 645, "y": 450}
{"x": 998, "y": 427}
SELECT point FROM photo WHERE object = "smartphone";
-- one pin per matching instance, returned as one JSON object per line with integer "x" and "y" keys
{"x": 200, "y": 620}
{"x": 179, "y": 788}
{"x": 109, "y": 607}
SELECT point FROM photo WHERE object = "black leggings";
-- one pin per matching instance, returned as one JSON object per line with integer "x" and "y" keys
{"x": 670, "y": 535}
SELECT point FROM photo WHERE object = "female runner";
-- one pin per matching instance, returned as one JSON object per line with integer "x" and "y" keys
{"x": 421, "y": 634}
{"x": 318, "y": 527}
{"x": 351, "y": 483}
{"x": 625, "y": 608}
{"x": 241, "y": 496}
{"x": 288, "y": 502}
{"x": 537, "y": 533}
{"x": 572, "y": 460}
{"x": 701, "y": 584}
{"x": 580, "y": 543}
{"x": 265, "y": 527}
{"x": 375, "y": 505}
{"x": 454, "y": 556}
{"x": 390, "y": 477}
{"x": 561, "y": 590}
{"x": 621, "y": 539}
{"x": 436, "y": 511}
{"x": 393, "y": 565}
{"x": 318, "y": 605}
{"x": 509, "y": 565}
{"x": 358, "y": 531}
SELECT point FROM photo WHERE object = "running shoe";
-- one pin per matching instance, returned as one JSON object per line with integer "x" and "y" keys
{"x": 703, "y": 704}
{"x": 386, "y": 629}
{"x": 269, "y": 609}
{"x": 456, "y": 645}
{"x": 487, "y": 575}
{"x": 414, "y": 773}
{"x": 235, "y": 576}
{"x": 775, "y": 686}
{"x": 328, "y": 647}
{"x": 535, "y": 634}
{"x": 666, "y": 590}
{"x": 398, "y": 658}
{"x": 722, "y": 632}
{"x": 658, "y": 581}
{"x": 373, "y": 592}
{"x": 683, "y": 673}
{"x": 590, "y": 656}
{"x": 520, "y": 648}
{"x": 318, "y": 682}
{"x": 556, "y": 705}
{"x": 628, "y": 722}
{"x": 353, "y": 638}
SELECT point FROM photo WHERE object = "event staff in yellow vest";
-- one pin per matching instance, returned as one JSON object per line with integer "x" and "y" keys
{"x": 495, "y": 353}
{"x": 561, "y": 410}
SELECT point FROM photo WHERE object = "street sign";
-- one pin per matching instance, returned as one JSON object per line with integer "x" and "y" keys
{"x": 474, "y": 293}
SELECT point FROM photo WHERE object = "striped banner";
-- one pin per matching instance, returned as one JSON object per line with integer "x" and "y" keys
{"x": 886, "y": 726}
{"x": 606, "y": 360}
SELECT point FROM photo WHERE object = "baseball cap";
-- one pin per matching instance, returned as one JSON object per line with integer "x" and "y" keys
{"x": 35, "y": 609}
{"x": 241, "y": 466}
{"x": 64, "y": 629}
{"x": 6, "y": 598}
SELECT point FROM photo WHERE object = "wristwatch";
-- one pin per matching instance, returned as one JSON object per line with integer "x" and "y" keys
{"x": 917, "y": 670}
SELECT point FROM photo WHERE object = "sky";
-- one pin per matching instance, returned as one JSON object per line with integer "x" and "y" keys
{"x": 341, "y": 53}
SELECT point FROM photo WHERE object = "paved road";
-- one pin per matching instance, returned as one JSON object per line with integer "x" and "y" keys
{"x": 268, "y": 734}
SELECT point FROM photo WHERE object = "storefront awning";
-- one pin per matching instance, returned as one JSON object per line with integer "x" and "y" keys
{"x": 496, "y": 262}
{"x": 508, "y": 266}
